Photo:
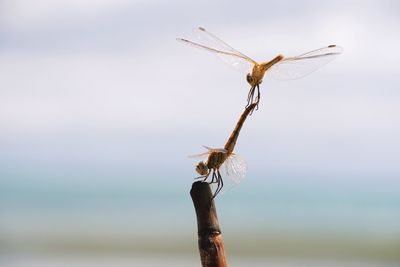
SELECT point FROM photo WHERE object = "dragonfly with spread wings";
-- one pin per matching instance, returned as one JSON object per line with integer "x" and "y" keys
{"x": 280, "y": 67}
{"x": 235, "y": 166}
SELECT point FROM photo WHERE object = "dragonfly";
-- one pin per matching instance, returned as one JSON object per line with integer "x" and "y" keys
{"x": 235, "y": 166}
{"x": 280, "y": 67}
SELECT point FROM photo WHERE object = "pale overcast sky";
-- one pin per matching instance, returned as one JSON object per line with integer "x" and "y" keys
{"x": 93, "y": 85}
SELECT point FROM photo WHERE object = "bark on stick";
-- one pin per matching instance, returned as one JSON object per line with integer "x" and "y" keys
{"x": 211, "y": 245}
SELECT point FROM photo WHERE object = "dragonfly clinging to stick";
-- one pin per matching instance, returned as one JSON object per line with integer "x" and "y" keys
{"x": 280, "y": 67}
{"x": 235, "y": 166}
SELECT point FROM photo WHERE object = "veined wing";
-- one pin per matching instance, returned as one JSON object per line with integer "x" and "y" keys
{"x": 199, "y": 156}
{"x": 209, "y": 42}
{"x": 205, "y": 154}
{"x": 297, "y": 67}
{"x": 235, "y": 170}
{"x": 210, "y": 149}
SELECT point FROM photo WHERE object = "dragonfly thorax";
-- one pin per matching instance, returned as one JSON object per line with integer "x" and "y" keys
{"x": 216, "y": 159}
{"x": 257, "y": 74}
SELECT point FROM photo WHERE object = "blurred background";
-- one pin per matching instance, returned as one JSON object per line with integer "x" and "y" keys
{"x": 100, "y": 106}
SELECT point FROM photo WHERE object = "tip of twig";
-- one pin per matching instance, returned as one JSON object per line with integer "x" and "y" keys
{"x": 201, "y": 191}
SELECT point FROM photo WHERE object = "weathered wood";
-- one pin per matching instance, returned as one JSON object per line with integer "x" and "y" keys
{"x": 211, "y": 245}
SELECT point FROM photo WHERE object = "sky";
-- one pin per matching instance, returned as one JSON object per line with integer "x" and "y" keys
{"x": 103, "y": 86}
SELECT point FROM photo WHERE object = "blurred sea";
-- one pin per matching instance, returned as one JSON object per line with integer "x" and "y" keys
{"x": 152, "y": 222}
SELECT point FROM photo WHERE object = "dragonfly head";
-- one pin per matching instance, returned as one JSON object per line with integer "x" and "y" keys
{"x": 201, "y": 168}
{"x": 249, "y": 79}
{"x": 253, "y": 81}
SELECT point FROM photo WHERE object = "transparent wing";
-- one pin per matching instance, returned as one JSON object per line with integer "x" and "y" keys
{"x": 205, "y": 154}
{"x": 297, "y": 67}
{"x": 209, "y": 39}
{"x": 235, "y": 170}
{"x": 209, "y": 42}
{"x": 210, "y": 149}
{"x": 199, "y": 156}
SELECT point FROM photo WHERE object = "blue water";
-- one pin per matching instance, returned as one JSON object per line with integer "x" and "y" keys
{"x": 121, "y": 204}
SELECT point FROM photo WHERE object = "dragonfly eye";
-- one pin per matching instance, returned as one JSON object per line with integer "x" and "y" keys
{"x": 249, "y": 78}
{"x": 201, "y": 168}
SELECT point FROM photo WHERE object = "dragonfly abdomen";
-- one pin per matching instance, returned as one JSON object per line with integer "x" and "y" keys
{"x": 230, "y": 145}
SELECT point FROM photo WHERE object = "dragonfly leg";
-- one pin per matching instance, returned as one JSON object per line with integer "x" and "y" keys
{"x": 220, "y": 184}
{"x": 217, "y": 190}
{"x": 258, "y": 96}
{"x": 257, "y": 99}
{"x": 213, "y": 177}
{"x": 204, "y": 177}
{"x": 222, "y": 181}
{"x": 250, "y": 96}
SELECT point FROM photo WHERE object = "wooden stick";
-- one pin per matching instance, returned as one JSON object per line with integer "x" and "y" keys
{"x": 211, "y": 245}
